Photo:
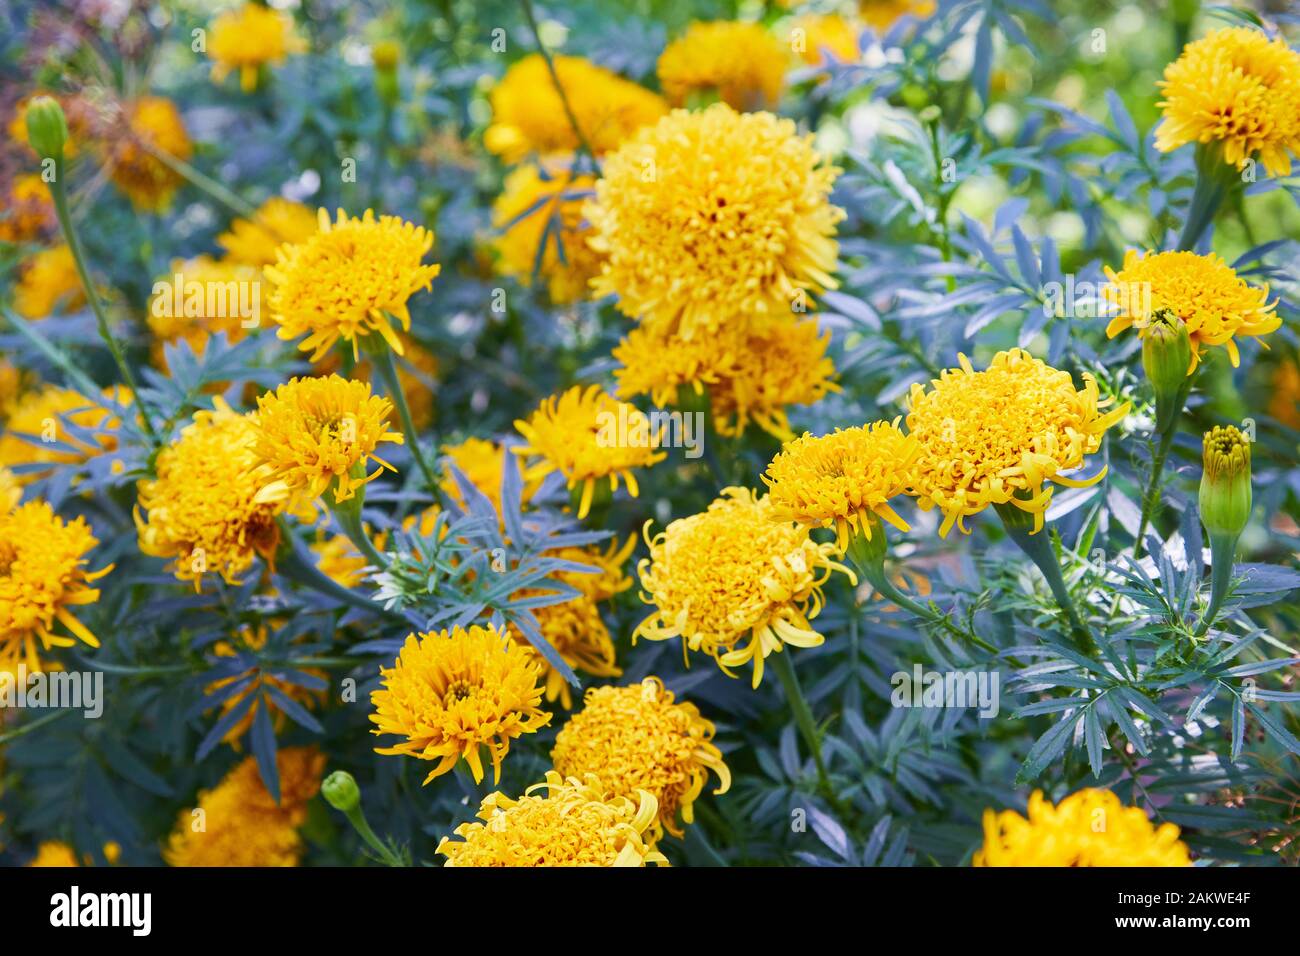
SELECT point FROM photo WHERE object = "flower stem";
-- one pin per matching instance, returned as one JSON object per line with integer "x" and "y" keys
{"x": 1151, "y": 495}
{"x": 1038, "y": 549}
{"x": 387, "y": 368}
{"x": 531, "y": 17}
{"x": 803, "y": 717}
{"x": 1222, "y": 549}
{"x": 357, "y": 817}
{"x": 58, "y": 190}
{"x": 204, "y": 182}
{"x": 1213, "y": 179}
{"x": 348, "y": 515}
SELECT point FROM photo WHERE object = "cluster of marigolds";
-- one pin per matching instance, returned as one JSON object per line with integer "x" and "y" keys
{"x": 713, "y": 229}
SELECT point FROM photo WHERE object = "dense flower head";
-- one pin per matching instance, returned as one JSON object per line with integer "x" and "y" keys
{"x": 451, "y": 693}
{"x": 49, "y": 416}
{"x": 542, "y": 229}
{"x": 248, "y": 38}
{"x": 588, "y": 437}
{"x": 741, "y": 62}
{"x": 883, "y": 14}
{"x": 242, "y": 824}
{"x": 255, "y": 241}
{"x": 1215, "y": 304}
{"x": 348, "y": 280}
{"x": 316, "y": 433}
{"x": 734, "y": 582}
{"x": 571, "y": 823}
{"x": 47, "y": 281}
{"x": 28, "y": 210}
{"x": 1239, "y": 89}
{"x": 733, "y": 221}
{"x": 203, "y": 510}
{"x": 821, "y": 38}
{"x": 43, "y": 578}
{"x": 1088, "y": 828}
{"x": 199, "y": 298}
{"x": 998, "y": 436}
{"x": 843, "y": 479}
{"x": 528, "y": 115}
{"x": 152, "y": 123}
{"x": 639, "y": 738}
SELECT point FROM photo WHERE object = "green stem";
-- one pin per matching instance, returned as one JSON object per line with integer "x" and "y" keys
{"x": 784, "y": 667}
{"x": 1167, "y": 422}
{"x": 1039, "y": 550}
{"x": 30, "y": 725}
{"x": 1222, "y": 549}
{"x": 384, "y": 364}
{"x": 209, "y": 185}
{"x": 357, "y": 818}
{"x": 348, "y": 515}
{"x": 1213, "y": 179}
{"x": 531, "y": 17}
{"x": 59, "y": 193}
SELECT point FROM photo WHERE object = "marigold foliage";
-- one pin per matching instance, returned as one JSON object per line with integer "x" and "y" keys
{"x": 1238, "y": 89}
{"x": 44, "y": 414}
{"x": 639, "y": 738}
{"x": 734, "y": 582}
{"x": 452, "y": 693}
{"x": 731, "y": 222}
{"x": 574, "y": 823}
{"x": 741, "y": 63}
{"x": 1216, "y": 304}
{"x": 1000, "y": 435}
{"x": 1088, "y": 828}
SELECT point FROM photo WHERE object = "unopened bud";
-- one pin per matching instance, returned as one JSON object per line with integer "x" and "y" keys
{"x": 1225, "y": 482}
{"x": 1166, "y": 352}
{"x": 47, "y": 127}
{"x": 341, "y": 792}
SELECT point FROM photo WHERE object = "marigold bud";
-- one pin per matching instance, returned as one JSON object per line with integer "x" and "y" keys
{"x": 1166, "y": 352}
{"x": 340, "y": 790}
{"x": 47, "y": 127}
{"x": 1225, "y": 483}
{"x": 385, "y": 54}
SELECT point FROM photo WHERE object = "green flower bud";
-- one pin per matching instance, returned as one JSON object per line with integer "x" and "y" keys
{"x": 1166, "y": 352}
{"x": 47, "y": 127}
{"x": 385, "y": 55}
{"x": 1225, "y": 482}
{"x": 341, "y": 792}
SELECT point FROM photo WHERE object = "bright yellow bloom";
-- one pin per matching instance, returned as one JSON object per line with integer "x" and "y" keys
{"x": 314, "y": 434}
{"x": 734, "y": 582}
{"x": 152, "y": 124}
{"x": 248, "y": 38}
{"x": 998, "y": 436}
{"x": 11, "y": 491}
{"x": 1204, "y": 291}
{"x": 254, "y": 639}
{"x": 42, "y": 577}
{"x": 212, "y": 297}
{"x": 338, "y": 559}
{"x": 240, "y": 824}
{"x": 1284, "y": 405}
{"x": 451, "y": 692}
{"x": 731, "y": 223}
{"x": 1238, "y": 89}
{"x": 741, "y": 62}
{"x": 842, "y": 479}
{"x": 528, "y": 115}
{"x": 204, "y": 512}
{"x": 55, "y": 853}
{"x": 46, "y": 414}
{"x": 47, "y": 280}
{"x": 544, "y": 204}
{"x": 1088, "y": 828}
{"x": 349, "y": 280}
{"x": 883, "y": 14}
{"x": 254, "y": 242}
{"x": 588, "y": 436}
{"x": 574, "y": 823}
{"x": 637, "y": 738}
{"x": 823, "y": 38}
{"x": 29, "y": 210}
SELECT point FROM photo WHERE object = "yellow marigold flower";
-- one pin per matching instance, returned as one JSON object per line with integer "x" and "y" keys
{"x": 822, "y": 38}
{"x": 883, "y": 14}
{"x": 199, "y": 298}
{"x": 544, "y": 204}
{"x": 637, "y": 738}
{"x": 658, "y": 362}
{"x": 254, "y": 638}
{"x": 249, "y": 38}
{"x": 1284, "y": 405}
{"x": 842, "y": 479}
{"x": 1204, "y": 291}
{"x": 338, "y": 559}
{"x": 998, "y": 436}
{"x": 12, "y": 384}
{"x": 528, "y": 115}
{"x": 45, "y": 415}
{"x": 349, "y": 279}
{"x": 242, "y": 825}
{"x": 741, "y": 62}
{"x": 29, "y": 211}
{"x": 56, "y": 853}
{"x": 482, "y": 462}
{"x": 11, "y": 491}
{"x": 46, "y": 280}
{"x": 203, "y": 509}
{"x": 451, "y": 692}
{"x": 579, "y": 635}
{"x": 1236, "y": 88}
{"x": 316, "y": 433}
{"x": 733, "y": 224}
{"x": 588, "y": 436}
{"x": 254, "y": 242}
{"x": 152, "y": 124}
{"x": 42, "y": 577}
{"x": 575, "y": 823}
{"x": 1088, "y": 828}
{"x": 734, "y": 582}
